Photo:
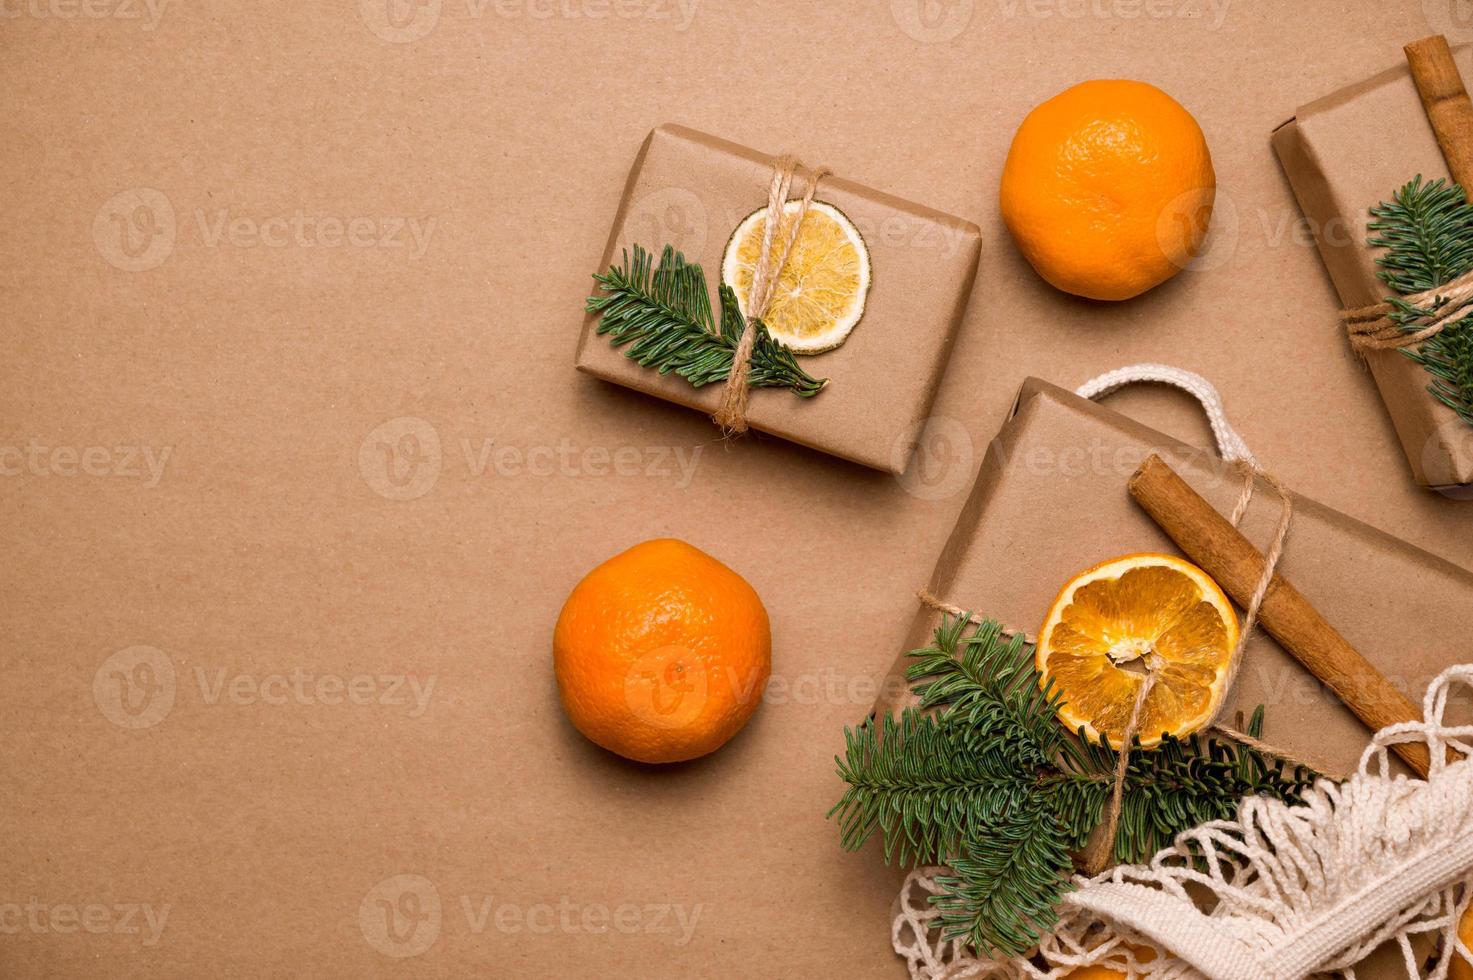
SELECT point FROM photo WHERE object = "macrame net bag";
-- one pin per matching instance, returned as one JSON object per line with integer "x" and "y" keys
{"x": 1277, "y": 894}
{"x": 1282, "y": 891}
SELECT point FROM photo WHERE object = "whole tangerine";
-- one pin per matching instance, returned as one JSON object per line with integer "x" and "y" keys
{"x": 1108, "y": 188}
{"x": 662, "y": 653}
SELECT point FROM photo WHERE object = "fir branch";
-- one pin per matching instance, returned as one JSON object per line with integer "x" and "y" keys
{"x": 922, "y": 787}
{"x": 983, "y": 777}
{"x": 664, "y": 314}
{"x": 1181, "y": 784}
{"x": 1427, "y": 230}
{"x": 1008, "y": 881}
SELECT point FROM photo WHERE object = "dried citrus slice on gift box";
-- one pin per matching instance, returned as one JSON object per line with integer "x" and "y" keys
{"x": 820, "y": 293}
{"x": 1125, "y": 618}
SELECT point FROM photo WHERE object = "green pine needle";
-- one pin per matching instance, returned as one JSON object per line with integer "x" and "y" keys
{"x": 1427, "y": 230}
{"x": 664, "y": 314}
{"x": 984, "y": 778}
{"x": 1007, "y": 881}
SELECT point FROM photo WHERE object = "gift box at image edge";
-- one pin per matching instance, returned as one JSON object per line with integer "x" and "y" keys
{"x": 690, "y": 190}
{"x": 1342, "y": 159}
{"x": 1051, "y": 500}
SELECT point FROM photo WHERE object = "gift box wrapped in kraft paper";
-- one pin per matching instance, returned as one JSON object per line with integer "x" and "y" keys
{"x": 1344, "y": 154}
{"x": 690, "y": 191}
{"x": 1051, "y": 500}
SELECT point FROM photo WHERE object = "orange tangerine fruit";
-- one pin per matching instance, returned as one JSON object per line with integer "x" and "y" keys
{"x": 1461, "y": 969}
{"x": 1114, "y": 623}
{"x": 1108, "y": 188}
{"x": 661, "y": 653}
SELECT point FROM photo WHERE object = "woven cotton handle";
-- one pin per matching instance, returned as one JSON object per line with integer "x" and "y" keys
{"x": 1230, "y": 445}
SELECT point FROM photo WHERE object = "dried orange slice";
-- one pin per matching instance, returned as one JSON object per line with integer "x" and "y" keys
{"x": 819, "y": 296}
{"x": 1116, "y": 622}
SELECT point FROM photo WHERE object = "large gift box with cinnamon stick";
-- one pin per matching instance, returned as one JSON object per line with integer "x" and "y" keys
{"x": 1051, "y": 499}
{"x": 863, "y": 388}
{"x": 1344, "y": 154}
{"x": 1054, "y": 496}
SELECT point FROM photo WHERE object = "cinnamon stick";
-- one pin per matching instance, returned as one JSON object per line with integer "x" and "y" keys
{"x": 1211, "y": 541}
{"x": 1446, "y": 102}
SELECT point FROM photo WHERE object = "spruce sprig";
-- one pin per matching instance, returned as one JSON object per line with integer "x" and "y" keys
{"x": 983, "y": 778}
{"x": 1427, "y": 230}
{"x": 663, "y": 312}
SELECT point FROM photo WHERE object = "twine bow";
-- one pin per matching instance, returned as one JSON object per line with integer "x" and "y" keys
{"x": 1372, "y": 327}
{"x": 732, "y": 414}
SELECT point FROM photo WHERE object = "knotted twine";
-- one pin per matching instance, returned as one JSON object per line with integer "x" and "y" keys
{"x": 1097, "y": 855}
{"x": 732, "y": 415}
{"x": 1372, "y": 328}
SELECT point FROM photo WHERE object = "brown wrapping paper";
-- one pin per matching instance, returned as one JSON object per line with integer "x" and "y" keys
{"x": 690, "y": 190}
{"x": 1051, "y": 500}
{"x": 1343, "y": 154}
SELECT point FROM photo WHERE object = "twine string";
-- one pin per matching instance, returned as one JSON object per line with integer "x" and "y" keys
{"x": 732, "y": 413}
{"x": 1372, "y": 328}
{"x": 1101, "y": 850}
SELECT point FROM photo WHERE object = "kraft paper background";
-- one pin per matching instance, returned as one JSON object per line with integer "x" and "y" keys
{"x": 374, "y": 464}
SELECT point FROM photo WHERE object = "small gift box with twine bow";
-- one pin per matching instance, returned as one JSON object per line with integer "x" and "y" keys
{"x": 1371, "y": 166}
{"x": 698, "y": 303}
